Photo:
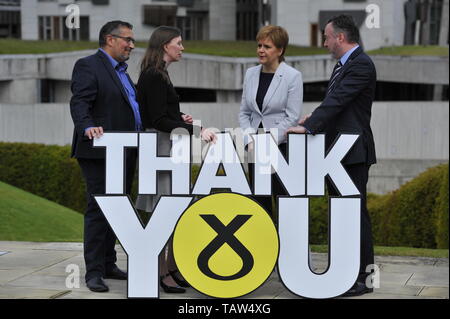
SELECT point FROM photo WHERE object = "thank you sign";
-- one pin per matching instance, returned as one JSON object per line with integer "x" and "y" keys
{"x": 225, "y": 244}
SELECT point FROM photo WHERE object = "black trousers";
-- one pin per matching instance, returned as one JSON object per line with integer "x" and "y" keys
{"x": 99, "y": 238}
{"x": 277, "y": 188}
{"x": 359, "y": 173}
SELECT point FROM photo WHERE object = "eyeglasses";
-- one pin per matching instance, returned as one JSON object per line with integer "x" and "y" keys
{"x": 128, "y": 39}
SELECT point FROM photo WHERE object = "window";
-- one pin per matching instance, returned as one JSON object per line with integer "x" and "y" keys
{"x": 247, "y": 19}
{"x": 155, "y": 15}
{"x": 54, "y": 28}
{"x": 314, "y": 34}
{"x": 100, "y": 2}
{"x": 9, "y": 24}
{"x": 435, "y": 21}
{"x": 191, "y": 26}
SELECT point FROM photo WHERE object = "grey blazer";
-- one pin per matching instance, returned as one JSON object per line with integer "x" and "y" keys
{"x": 281, "y": 106}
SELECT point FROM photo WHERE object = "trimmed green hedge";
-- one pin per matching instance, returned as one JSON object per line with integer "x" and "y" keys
{"x": 415, "y": 215}
{"x": 44, "y": 170}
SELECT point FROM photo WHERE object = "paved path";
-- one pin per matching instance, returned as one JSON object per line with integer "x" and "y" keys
{"x": 38, "y": 270}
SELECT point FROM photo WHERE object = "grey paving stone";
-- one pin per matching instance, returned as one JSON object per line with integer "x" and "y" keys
{"x": 406, "y": 260}
{"x": 286, "y": 294}
{"x": 405, "y": 268}
{"x": 76, "y": 294}
{"x": 59, "y": 269}
{"x": 60, "y": 246}
{"x": 38, "y": 270}
{"x": 441, "y": 262}
{"x": 433, "y": 277}
{"x": 438, "y": 292}
{"x": 12, "y": 245}
{"x": 399, "y": 279}
{"x": 34, "y": 259}
{"x": 268, "y": 290}
{"x": 397, "y": 289}
{"x": 7, "y": 292}
{"x": 12, "y": 274}
{"x": 41, "y": 282}
{"x": 385, "y": 296}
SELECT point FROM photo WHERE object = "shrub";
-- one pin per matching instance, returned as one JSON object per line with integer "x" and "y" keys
{"x": 318, "y": 220}
{"x": 44, "y": 170}
{"x": 442, "y": 212}
{"x": 415, "y": 215}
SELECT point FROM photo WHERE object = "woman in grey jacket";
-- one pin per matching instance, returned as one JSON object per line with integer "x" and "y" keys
{"x": 272, "y": 97}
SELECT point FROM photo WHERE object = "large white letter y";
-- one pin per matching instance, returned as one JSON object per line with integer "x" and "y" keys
{"x": 142, "y": 245}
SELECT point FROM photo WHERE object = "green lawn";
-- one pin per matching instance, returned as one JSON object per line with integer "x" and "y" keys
{"x": 15, "y": 46}
{"x": 27, "y": 217}
{"x": 220, "y": 48}
{"x": 412, "y": 50}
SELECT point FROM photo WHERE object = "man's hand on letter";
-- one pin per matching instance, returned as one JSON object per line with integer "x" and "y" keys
{"x": 94, "y": 132}
{"x": 296, "y": 130}
{"x": 304, "y": 118}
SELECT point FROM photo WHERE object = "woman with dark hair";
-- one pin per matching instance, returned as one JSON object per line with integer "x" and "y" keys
{"x": 160, "y": 111}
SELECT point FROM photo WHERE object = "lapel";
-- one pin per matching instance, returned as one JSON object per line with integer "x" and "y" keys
{"x": 113, "y": 75}
{"x": 277, "y": 77}
{"x": 254, "y": 81}
{"x": 348, "y": 64}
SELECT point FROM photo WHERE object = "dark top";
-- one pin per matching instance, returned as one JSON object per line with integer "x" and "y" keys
{"x": 159, "y": 104}
{"x": 98, "y": 99}
{"x": 264, "y": 83}
{"x": 348, "y": 108}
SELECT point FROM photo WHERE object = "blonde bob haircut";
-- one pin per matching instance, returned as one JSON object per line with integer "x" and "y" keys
{"x": 277, "y": 35}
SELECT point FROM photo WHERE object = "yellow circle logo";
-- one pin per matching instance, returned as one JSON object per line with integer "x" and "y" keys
{"x": 225, "y": 245}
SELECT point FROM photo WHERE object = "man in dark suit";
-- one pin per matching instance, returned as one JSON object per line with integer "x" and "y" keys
{"x": 104, "y": 99}
{"x": 347, "y": 109}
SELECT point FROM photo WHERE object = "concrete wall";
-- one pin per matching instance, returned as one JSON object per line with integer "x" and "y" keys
{"x": 409, "y": 136}
{"x": 21, "y": 91}
{"x": 36, "y": 123}
{"x": 222, "y": 20}
{"x": 297, "y": 16}
{"x": 209, "y": 72}
{"x": 224, "y": 73}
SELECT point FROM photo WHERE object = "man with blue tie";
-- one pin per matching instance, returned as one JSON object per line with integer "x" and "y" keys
{"x": 347, "y": 108}
{"x": 103, "y": 99}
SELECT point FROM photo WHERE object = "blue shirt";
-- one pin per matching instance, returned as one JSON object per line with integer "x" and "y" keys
{"x": 121, "y": 69}
{"x": 347, "y": 54}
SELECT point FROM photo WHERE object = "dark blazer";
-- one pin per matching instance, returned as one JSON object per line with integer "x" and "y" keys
{"x": 98, "y": 99}
{"x": 159, "y": 104}
{"x": 347, "y": 109}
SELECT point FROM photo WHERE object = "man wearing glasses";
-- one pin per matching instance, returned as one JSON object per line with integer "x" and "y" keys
{"x": 103, "y": 99}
